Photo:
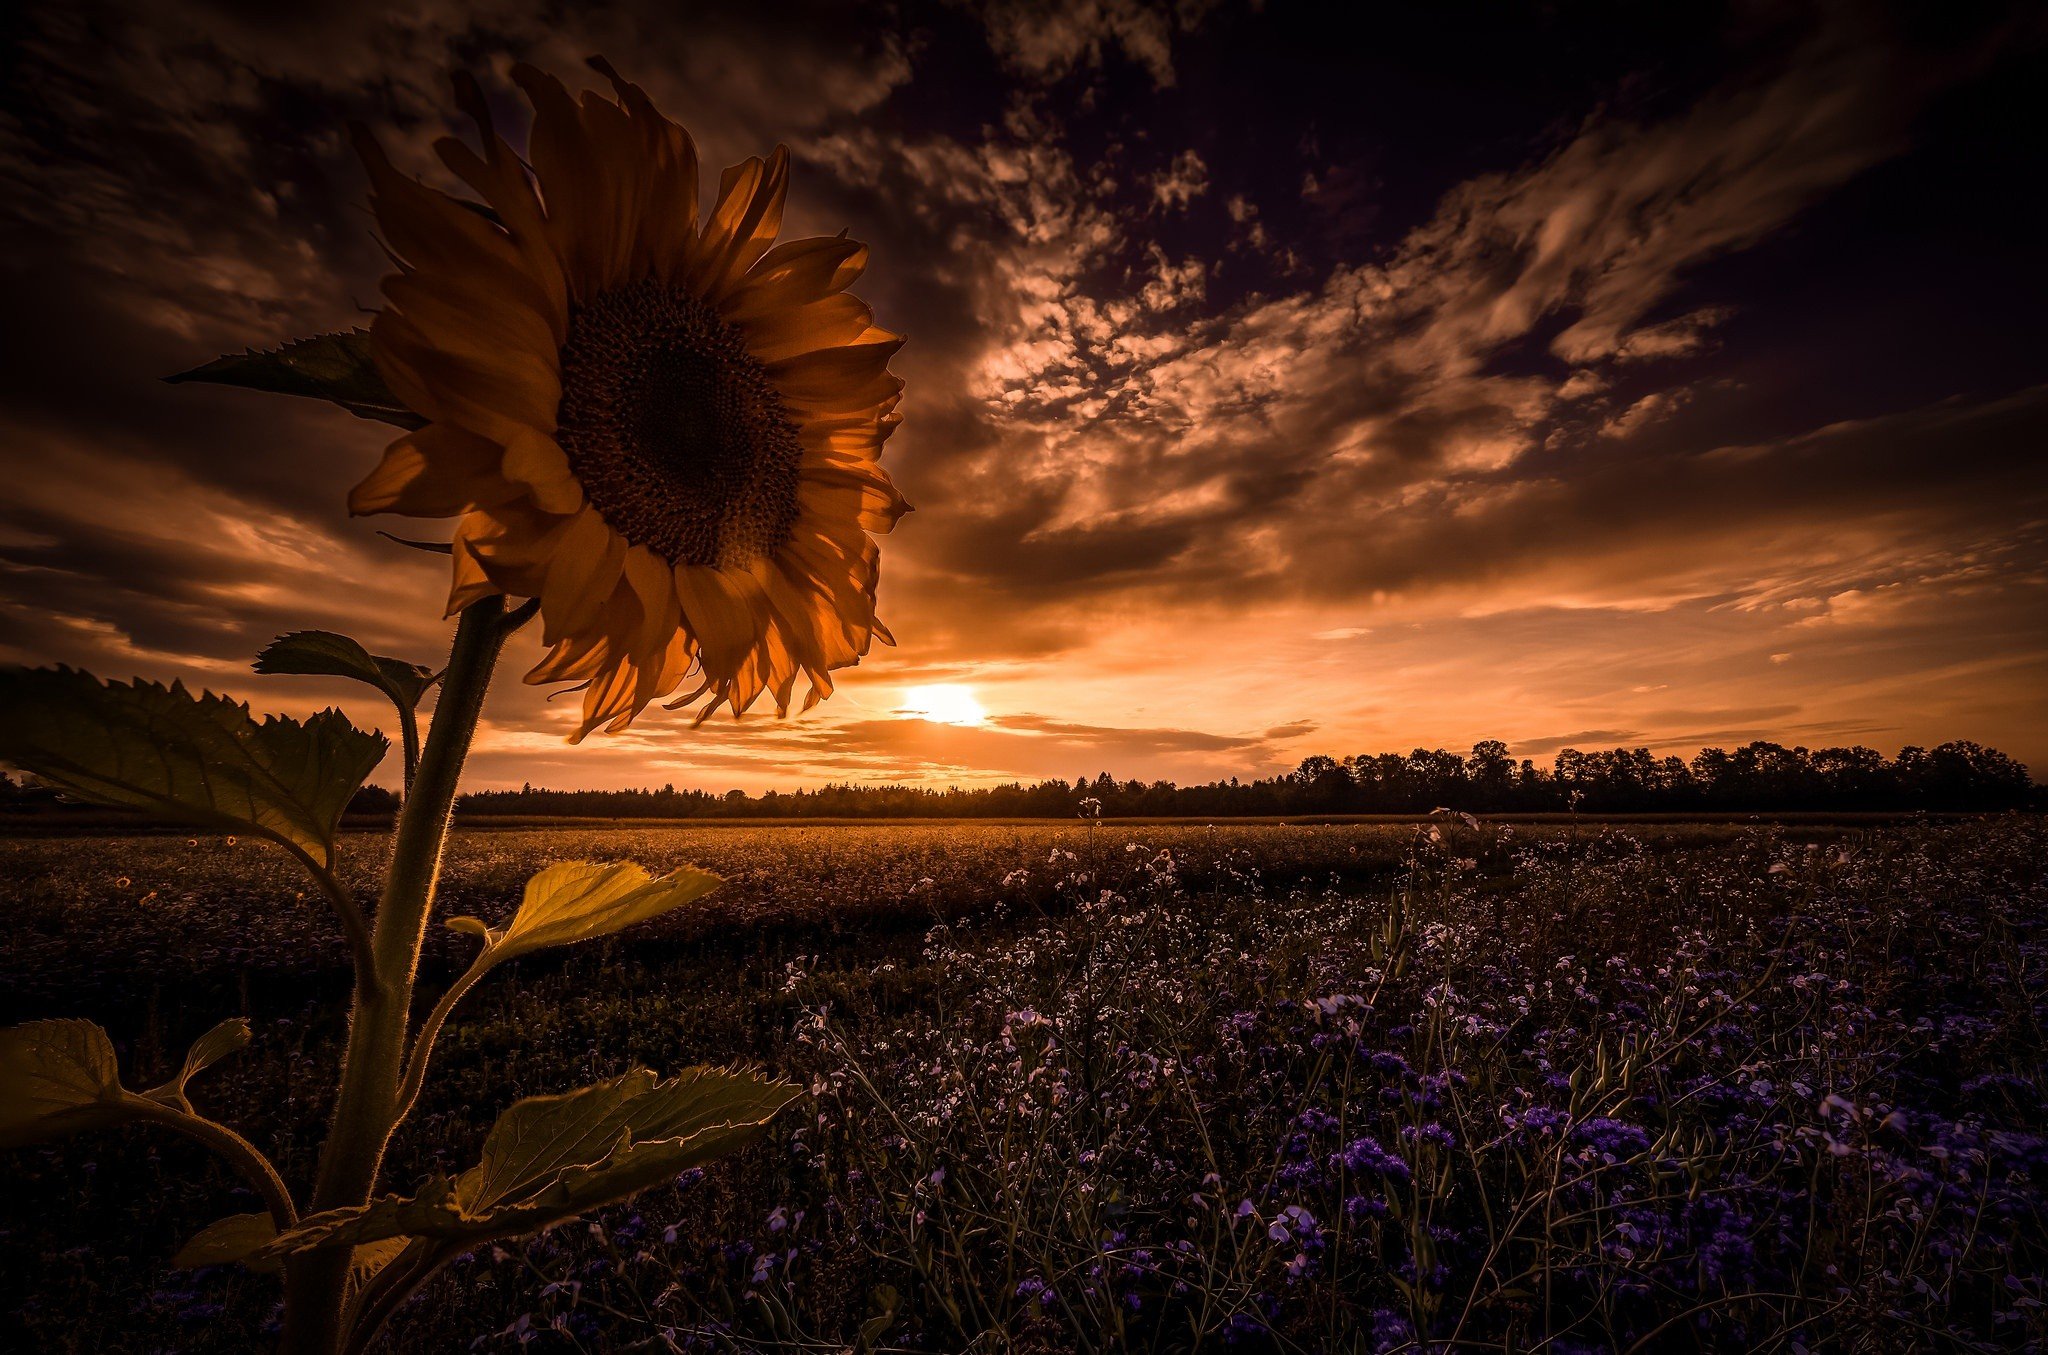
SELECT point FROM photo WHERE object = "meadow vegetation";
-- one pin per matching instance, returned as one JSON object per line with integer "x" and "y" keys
{"x": 1107, "y": 1087}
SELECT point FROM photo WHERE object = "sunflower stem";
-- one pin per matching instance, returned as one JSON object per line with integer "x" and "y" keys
{"x": 409, "y": 730}
{"x": 367, "y": 1107}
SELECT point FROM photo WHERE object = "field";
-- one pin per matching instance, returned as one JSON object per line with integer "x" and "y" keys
{"x": 1353, "y": 1087}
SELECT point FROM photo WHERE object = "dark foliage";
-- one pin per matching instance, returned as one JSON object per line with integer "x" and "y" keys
{"x": 1759, "y": 777}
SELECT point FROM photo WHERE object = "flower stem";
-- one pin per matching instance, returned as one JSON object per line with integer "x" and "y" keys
{"x": 366, "y": 1109}
{"x": 246, "y": 1156}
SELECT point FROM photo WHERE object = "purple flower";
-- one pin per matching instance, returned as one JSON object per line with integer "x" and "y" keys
{"x": 1366, "y": 1155}
{"x": 1615, "y": 1139}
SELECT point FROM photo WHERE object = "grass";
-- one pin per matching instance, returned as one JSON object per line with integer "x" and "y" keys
{"x": 1138, "y": 1087}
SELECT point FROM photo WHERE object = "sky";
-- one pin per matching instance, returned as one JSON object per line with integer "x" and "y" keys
{"x": 1573, "y": 375}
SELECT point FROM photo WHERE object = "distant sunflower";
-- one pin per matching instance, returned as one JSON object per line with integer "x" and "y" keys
{"x": 670, "y": 435}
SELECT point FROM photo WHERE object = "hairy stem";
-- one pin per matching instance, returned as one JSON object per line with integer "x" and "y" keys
{"x": 366, "y": 1110}
{"x": 409, "y": 732}
{"x": 353, "y": 924}
{"x": 246, "y": 1157}
{"x": 391, "y": 1287}
{"x": 423, "y": 1043}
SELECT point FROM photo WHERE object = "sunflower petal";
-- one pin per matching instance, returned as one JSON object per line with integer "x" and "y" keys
{"x": 790, "y": 332}
{"x": 583, "y": 572}
{"x": 502, "y": 181}
{"x": 723, "y": 612}
{"x": 744, "y": 222}
{"x": 667, "y": 226}
{"x": 576, "y": 192}
{"x": 436, "y": 471}
{"x": 654, "y": 589}
{"x": 537, "y": 461}
{"x": 797, "y": 272}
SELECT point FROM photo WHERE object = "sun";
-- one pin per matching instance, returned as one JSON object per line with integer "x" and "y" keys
{"x": 944, "y": 703}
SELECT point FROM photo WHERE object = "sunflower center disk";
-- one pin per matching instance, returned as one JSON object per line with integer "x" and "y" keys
{"x": 677, "y": 435}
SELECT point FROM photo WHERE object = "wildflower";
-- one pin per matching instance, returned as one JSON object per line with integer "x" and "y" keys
{"x": 1612, "y": 1139}
{"x": 1366, "y": 1155}
{"x": 668, "y": 434}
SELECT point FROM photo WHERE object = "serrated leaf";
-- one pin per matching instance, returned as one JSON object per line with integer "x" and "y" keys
{"x": 322, "y": 653}
{"x": 58, "y": 1077}
{"x": 335, "y": 367}
{"x": 575, "y": 901}
{"x": 236, "y": 1238}
{"x": 224, "y": 1039}
{"x": 551, "y": 1158}
{"x": 201, "y": 759}
{"x": 61, "y": 1077}
{"x": 371, "y": 1257}
{"x": 239, "y": 1238}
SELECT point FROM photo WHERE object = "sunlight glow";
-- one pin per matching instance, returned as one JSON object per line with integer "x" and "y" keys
{"x": 943, "y": 703}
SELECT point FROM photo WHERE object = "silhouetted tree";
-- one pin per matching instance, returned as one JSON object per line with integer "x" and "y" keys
{"x": 1758, "y": 776}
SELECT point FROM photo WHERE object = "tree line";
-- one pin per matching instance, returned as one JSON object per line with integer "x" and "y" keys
{"x": 1758, "y": 776}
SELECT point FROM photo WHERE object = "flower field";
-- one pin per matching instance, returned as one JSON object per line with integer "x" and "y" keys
{"x": 1112, "y": 1087}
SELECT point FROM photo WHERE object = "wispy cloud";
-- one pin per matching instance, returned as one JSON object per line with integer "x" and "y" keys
{"x": 1216, "y": 465}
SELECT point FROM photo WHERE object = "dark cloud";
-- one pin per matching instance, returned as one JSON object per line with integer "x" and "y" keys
{"x": 1264, "y": 375}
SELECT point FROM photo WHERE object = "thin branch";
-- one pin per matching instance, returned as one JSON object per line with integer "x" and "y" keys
{"x": 353, "y": 924}
{"x": 246, "y": 1156}
{"x": 409, "y": 729}
{"x": 423, "y": 1043}
{"x": 371, "y": 1306}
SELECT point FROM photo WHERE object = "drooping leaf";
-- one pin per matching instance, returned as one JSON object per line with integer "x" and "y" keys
{"x": 61, "y": 1077}
{"x": 578, "y": 901}
{"x": 371, "y": 1257}
{"x": 58, "y": 1077}
{"x": 237, "y": 1237}
{"x": 551, "y": 1158}
{"x": 883, "y": 1301}
{"x": 322, "y": 653}
{"x": 335, "y": 367}
{"x": 224, "y": 1039}
{"x": 201, "y": 759}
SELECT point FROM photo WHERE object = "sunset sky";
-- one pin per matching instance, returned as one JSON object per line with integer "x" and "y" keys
{"x": 1609, "y": 375}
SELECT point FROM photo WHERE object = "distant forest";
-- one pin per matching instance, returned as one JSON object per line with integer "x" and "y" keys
{"x": 1754, "y": 777}
{"x": 1757, "y": 776}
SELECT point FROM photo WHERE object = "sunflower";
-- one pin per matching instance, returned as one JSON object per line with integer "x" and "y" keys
{"x": 668, "y": 432}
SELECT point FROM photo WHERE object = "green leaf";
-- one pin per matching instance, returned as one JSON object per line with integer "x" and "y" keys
{"x": 372, "y": 1257}
{"x": 224, "y": 1039}
{"x": 336, "y": 367}
{"x": 202, "y": 759}
{"x": 58, "y": 1077}
{"x": 578, "y": 901}
{"x": 61, "y": 1077}
{"x": 237, "y": 1237}
{"x": 322, "y": 653}
{"x": 552, "y": 1158}
{"x": 883, "y": 1301}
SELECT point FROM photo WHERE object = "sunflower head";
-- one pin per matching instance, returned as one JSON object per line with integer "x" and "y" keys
{"x": 669, "y": 430}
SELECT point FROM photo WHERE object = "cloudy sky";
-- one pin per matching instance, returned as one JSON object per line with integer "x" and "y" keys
{"x": 1613, "y": 374}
